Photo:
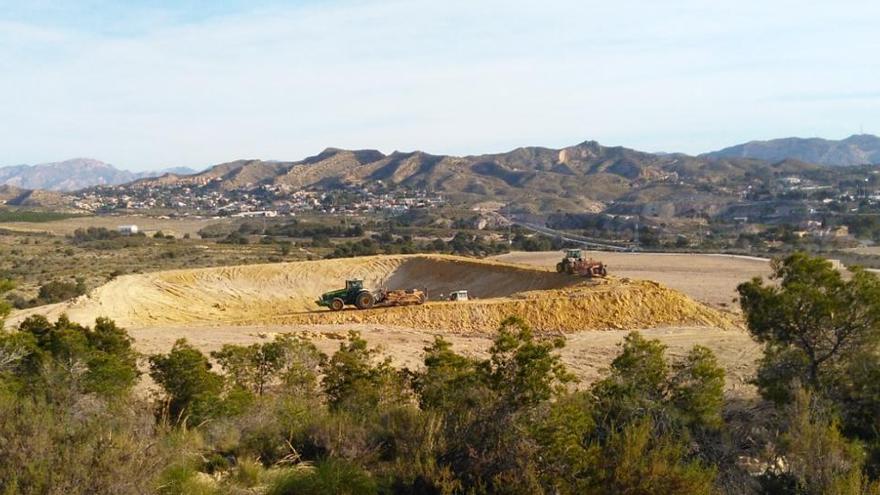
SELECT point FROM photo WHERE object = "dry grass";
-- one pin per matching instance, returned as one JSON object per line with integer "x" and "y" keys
{"x": 174, "y": 226}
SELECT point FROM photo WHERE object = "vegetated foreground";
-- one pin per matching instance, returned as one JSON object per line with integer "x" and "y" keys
{"x": 284, "y": 293}
{"x": 587, "y": 354}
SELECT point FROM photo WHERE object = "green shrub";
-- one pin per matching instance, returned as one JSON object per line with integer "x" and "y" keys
{"x": 329, "y": 476}
{"x": 356, "y": 380}
{"x": 248, "y": 472}
{"x": 58, "y": 291}
{"x": 193, "y": 391}
{"x": 183, "y": 479}
{"x": 99, "y": 361}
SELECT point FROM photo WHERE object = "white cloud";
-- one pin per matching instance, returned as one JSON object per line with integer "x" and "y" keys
{"x": 448, "y": 77}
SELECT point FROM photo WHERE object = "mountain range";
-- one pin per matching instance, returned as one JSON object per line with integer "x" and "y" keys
{"x": 74, "y": 174}
{"x": 584, "y": 177}
{"x": 859, "y": 149}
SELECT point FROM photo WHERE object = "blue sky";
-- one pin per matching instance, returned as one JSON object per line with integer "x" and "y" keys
{"x": 152, "y": 84}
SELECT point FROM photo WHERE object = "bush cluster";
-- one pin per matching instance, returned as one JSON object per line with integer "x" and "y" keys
{"x": 51, "y": 292}
{"x": 462, "y": 244}
{"x": 284, "y": 418}
{"x": 281, "y": 417}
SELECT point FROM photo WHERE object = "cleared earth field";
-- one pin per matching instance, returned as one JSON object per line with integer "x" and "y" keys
{"x": 868, "y": 250}
{"x": 708, "y": 278}
{"x": 244, "y": 304}
{"x": 175, "y": 226}
{"x": 285, "y": 293}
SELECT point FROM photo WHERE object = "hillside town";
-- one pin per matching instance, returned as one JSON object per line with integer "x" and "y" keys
{"x": 262, "y": 201}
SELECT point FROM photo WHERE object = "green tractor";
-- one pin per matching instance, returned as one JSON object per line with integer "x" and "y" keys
{"x": 353, "y": 294}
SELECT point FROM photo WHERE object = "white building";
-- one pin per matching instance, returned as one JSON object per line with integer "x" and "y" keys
{"x": 264, "y": 213}
{"x": 127, "y": 229}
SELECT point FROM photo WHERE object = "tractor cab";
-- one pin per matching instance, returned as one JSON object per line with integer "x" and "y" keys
{"x": 574, "y": 263}
{"x": 573, "y": 254}
{"x": 354, "y": 285}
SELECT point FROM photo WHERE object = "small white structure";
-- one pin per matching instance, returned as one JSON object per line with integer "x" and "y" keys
{"x": 264, "y": 213}
{"x": 127, "y": 229}
{"x": 459, "y": 295}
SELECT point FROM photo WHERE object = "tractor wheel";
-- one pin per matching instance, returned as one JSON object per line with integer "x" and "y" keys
{"x": 337, "y": 304}
{"x": 560, "y": 267}
{"x": 603, "y": 272}
{"x": 364, "y": 300}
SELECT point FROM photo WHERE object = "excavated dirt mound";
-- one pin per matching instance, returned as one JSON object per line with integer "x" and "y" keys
{"x": 285, "y": 293}
{"x": 610, "y": 304}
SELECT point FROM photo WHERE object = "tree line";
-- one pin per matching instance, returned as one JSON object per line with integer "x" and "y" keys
{"x": 462, "y": 244}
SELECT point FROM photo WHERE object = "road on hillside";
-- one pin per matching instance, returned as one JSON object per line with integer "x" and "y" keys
{"x": 566, "y": 236}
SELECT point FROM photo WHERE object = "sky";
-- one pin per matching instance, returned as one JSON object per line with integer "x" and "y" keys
{"x": 154, "y": 84}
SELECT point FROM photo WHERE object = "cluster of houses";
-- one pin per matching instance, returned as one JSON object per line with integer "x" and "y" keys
{"x": 263, "y": 201}
{"x": 813, "y": 228}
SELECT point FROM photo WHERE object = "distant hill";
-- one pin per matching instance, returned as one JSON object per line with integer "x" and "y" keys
{"x": 170, "y": 170}
{"x": 861, "y": 149}
{"x": 74, "y": 174}
{"x": 584, "y": 177}
{"x": 14, "y": 196}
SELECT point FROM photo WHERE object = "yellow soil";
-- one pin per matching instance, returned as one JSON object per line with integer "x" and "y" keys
{"x": 708, "y": 278}
{"x": 284, "y": 293}
{"x": 614, "y": 304}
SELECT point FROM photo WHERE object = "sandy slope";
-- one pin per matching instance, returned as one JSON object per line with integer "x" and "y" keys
{"x": 245, "y": 304}
{"x": 708, "y": 278}
{"x": 601, "y": 305}
{"x": 285, "y": 293}
{"x": 225, "y": 293}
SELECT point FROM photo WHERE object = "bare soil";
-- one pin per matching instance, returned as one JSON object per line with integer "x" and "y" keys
{"x": 245, "y": 304}
{"x": 286, "y": 293}
{"x": 707, "y": 278}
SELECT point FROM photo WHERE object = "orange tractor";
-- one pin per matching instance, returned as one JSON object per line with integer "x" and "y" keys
{"x": 574, "y": 263}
